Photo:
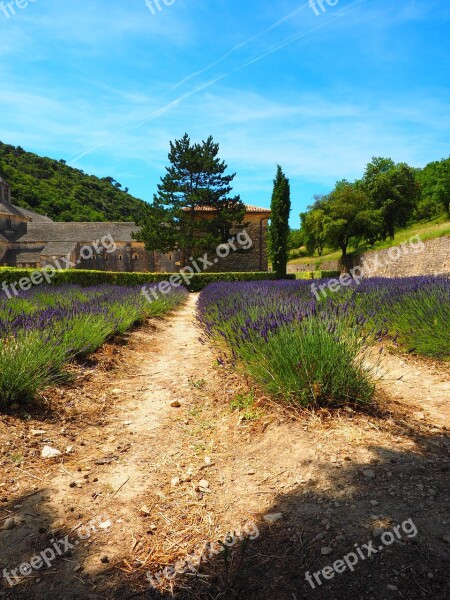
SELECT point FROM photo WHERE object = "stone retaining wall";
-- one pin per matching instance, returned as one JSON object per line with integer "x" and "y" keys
{"x": 411, "y": 258}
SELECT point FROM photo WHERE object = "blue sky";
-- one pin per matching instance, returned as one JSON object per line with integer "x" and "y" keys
{"x": 106, "y": 84}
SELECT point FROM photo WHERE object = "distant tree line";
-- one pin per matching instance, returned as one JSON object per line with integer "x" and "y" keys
{"x": 389, "y": 195}
{"x": 52, "y": 188}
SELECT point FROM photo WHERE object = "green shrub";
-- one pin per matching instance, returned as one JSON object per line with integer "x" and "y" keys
{"x": 195, "y": 283}
{"x": 201, "y": 280}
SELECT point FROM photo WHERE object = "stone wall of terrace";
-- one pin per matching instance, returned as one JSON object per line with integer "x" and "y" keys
{"x": 328, "y": 265}
{"x": 433, "y": 259}
{"x": 399, "y": 261}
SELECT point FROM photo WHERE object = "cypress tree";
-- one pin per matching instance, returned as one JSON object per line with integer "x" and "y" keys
{"x": 279, "y": 223}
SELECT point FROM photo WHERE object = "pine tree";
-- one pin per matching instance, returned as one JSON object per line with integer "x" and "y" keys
{"x": 279, "y": 223}
{"x": 195, "y": 179}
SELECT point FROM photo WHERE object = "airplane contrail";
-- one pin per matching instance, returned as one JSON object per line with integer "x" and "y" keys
{"x": 211, "y": 82}
{"x": 239, "y": 46}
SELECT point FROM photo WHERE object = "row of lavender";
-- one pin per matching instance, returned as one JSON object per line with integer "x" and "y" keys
{"x": 310, "y": 350}
{"x": 44, "y": 329}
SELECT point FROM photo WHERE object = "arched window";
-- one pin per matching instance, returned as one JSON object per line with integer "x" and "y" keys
{"x": 135, "y": 256}
{"x": 120, "y": 257}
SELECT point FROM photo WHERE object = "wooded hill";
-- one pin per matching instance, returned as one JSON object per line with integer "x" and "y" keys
{"x": 51, "y": 187}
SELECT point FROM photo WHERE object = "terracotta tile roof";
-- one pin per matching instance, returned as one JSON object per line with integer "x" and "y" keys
{"x": 257, "y": 209}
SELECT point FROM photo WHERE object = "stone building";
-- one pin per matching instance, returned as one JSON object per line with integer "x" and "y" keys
{"x": 254, "y": 258}
{"x": 28, "y": 239}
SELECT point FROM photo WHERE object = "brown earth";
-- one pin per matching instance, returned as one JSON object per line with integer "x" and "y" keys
{"x": 141, "y": 483}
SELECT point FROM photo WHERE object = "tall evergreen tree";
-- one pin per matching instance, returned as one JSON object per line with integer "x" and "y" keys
{"x": 196, "y": 178}
{"x": 279, "y": 223}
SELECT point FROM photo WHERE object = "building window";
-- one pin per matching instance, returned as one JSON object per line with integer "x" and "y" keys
{"x": 135, "y": 257}
{"x": 170, "y": 257}
{"x": 120, "y": 257}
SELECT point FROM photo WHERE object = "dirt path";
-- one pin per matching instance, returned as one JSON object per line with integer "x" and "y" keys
{"x": 169, "y": 362}
{"x": 419, "y": 383}
{"x": 157, "y": 481}
{"x": 113, "y": 465}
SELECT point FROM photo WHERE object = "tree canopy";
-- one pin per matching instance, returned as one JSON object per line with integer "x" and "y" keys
{"x": 195, "y": 182}
{"x": 393, "y": 190}
{"x": 370, "y": 209}
{"x": 342, "y": 217}
{"x": 434, "y": 180}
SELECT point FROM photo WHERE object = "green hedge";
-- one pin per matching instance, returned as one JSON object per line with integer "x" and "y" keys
{"x": 201, "y": 280}
{"x": 196, "y": 282}
{"x": 317, "y": 274}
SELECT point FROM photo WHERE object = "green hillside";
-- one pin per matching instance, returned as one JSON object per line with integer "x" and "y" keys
{"x": 63, "y": 193}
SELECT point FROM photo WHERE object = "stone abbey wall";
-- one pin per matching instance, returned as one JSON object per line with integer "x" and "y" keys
{"x": 251, "y": 255}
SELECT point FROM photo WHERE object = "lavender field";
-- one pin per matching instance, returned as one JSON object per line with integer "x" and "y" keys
{"x": 44, "y": 329}
{"x": 313, "y": 351}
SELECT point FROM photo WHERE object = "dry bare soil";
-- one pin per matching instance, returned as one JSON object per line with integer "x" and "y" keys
{"x": 154, "y": 464}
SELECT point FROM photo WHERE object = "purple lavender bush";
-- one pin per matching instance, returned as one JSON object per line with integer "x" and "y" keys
{"x": 43, "y": 329}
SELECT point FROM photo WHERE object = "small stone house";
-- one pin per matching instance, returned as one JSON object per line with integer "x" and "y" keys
{"x": 28, "y": 239}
